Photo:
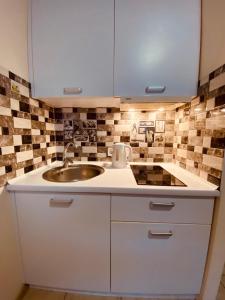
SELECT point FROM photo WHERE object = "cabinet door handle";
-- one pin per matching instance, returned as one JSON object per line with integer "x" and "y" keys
{"x": 159, "y": 235}
{"x": 155, "y": 89}
{"x": 60, "y": 203}
{"x": 72, "y": 91}
{"x": 161, "y": 205}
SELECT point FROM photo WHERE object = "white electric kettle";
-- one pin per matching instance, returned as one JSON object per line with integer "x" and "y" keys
{"x": 120, "y": 156}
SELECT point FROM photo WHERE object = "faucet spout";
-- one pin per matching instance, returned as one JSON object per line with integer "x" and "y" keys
{"x": 67, "y": 160}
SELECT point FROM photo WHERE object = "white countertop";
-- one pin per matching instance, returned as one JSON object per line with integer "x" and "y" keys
{"x": 117, "y": 181}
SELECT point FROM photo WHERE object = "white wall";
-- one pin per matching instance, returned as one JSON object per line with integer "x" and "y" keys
{"x": 212, "y": 57}
{"x": 213, "y": 36}
{"x": 13, "y": 33}
{"x": 13, "y": 56}
{"x": 11, "y": 280}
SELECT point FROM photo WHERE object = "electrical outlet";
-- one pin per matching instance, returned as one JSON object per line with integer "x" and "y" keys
{"x": 110, "y": 151}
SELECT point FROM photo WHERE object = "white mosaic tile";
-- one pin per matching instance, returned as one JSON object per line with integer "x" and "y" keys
{"x": 20, "y": 172}
{"x": 23, "y": 156}
{"x": 34, "y": 102}
{"x": 217, "y": 82}
{"x": 89, "y": 149}
{"x": 14, "y": 104}
{"x": 2, "y": 171}
{"x": 17, "y": 140}
{"x": 35, "y": 132}
{"x": 50, "y": 126}
{"x": 5, "y": 111}
{"x": 216, "y": 162}
{"x": 101, "y": 133}
{"x": 7, "y": 150}
{"x": 41, "y": 119}
{"x": 37, "y": 160}
{"x": 22, "y": 123}
{"x": 51, "y": 150}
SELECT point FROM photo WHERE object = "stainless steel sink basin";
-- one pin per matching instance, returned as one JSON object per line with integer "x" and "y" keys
{"x": 73, "y": 173}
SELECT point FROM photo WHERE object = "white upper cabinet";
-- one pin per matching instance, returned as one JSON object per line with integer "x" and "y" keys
{"x": 157, "y": 44}
{"x": 127, "y": 48}
{"x": 71, "y": 46}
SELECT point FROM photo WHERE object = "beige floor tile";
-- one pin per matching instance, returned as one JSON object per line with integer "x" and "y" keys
{"x": 88, "y": 297}
{"x": 130, "y": 298}
{"x": 35, "y": 294}
{"x": 221, "y": 293}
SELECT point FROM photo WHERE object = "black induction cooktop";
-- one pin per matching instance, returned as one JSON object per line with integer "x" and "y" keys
{"x": 154, "y": 175}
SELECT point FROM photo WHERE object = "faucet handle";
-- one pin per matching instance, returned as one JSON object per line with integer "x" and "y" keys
{"x": 67, "y": 161}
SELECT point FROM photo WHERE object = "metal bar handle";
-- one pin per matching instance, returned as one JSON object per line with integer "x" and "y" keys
{"x": 160, "y": 235}
{"x": 161, "y": 205}
{"x": 72, "y": 91}
{"x": 60, "y": 203}
{"x": 155, "y": 89}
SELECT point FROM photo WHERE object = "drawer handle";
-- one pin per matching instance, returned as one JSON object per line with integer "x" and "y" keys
{"x": 155, "y": 89}
{"x": 60, "y": 203}
{"x": 159, "y": 235}
{"x": 160, "y": 205}
{"x": 72, "y": 91}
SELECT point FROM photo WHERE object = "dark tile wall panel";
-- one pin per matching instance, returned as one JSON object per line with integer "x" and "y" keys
{"x": 200, "y": 130}
{"x": 26, "y": 125}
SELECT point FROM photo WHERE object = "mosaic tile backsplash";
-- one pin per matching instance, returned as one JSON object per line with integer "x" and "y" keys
{"x": 200, "y": 130}
{"x": 150, "y": 134}
{"x": 33, "y": 134}
{"x": 27, "y": 129}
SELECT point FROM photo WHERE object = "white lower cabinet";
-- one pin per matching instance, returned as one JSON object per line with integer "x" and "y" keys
{"x": 65, "y": 240}
{"x": 153, "y": 258}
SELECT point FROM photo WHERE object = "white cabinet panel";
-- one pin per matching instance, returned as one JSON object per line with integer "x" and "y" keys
{"x": 157, "y": 44}
{"x": 72, "y": 47}
{"x": 142, "y": 263}
{"x": 162, "y": 209}
{"x": 65, "y": 244}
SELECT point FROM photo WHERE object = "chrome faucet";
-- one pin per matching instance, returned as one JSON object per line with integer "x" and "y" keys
{"x": 67, "y": 160}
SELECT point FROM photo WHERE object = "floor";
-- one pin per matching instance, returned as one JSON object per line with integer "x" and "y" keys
{"x": 35, "y": 294}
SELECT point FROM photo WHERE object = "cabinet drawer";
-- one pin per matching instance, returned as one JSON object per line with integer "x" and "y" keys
{"x": 162, "y": 209}
{"x": 145, "y": 260}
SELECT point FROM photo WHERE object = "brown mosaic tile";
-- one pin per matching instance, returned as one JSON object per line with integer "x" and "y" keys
{"x": 4, "y": 101}
{"x": 6, "y": 140}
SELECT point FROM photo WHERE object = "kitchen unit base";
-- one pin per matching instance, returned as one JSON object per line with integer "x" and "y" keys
{"x": 115, "y": 244}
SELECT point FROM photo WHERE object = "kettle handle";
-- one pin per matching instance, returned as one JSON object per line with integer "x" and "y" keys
{"x": 130, "y": 152}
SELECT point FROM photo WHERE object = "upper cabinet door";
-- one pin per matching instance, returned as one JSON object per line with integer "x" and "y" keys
{"x": 71, "y": 46}
{"x": 157, "y": 44}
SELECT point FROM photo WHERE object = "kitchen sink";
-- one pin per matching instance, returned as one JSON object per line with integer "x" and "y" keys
{"x": 73, "y": 173}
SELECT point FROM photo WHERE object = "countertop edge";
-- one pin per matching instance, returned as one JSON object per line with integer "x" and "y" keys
{"x": 114, "y": 190}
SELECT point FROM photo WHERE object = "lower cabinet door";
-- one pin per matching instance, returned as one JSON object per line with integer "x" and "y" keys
{"x": 65, "y": 240}
{"x": 158, "y": 258}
